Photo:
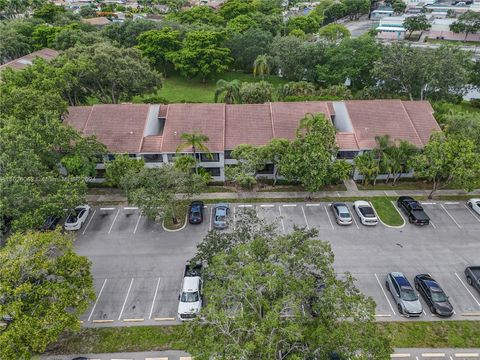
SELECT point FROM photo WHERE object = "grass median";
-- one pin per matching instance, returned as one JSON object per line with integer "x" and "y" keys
{"x": 181, "y": 217}
{"x": 423, "y": 334}
{"x": 387, "y": 211}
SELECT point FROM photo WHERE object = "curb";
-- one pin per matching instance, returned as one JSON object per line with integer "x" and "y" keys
{"x": 183, "y": 227}
{"x": 394, "y": 226}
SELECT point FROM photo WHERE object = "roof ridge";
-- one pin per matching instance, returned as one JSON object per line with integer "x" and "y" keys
{"x": 271, "y": 119}
{"x": 413, "y": 124}
{"x": 166, "y": 119}
{"x": 88, "y": 118}
{"x": 224, "y": 125}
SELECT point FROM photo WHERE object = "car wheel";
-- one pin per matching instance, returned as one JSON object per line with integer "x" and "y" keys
{"x": 410, "y": 220}
{"x": 400, "y": 310}
{"x": 387, "y": 285}
{"x": 469, "y": 281}
{"x": 470, "y": 205}
{"x": 417, "y": 286}
{"x": 432, "y": 309}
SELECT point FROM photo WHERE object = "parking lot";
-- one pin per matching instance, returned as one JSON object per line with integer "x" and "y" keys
{"x": 137, "y": 265}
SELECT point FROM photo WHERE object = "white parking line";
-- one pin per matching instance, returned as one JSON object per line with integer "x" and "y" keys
{"x": 384, "y": 294}
{"x": 289, "y": 205}
{"x": 113, "y": 222}
{"x": 130, "y": 208}
{"x": 107, "y": 209}
{"x": 433, "y": 355}
{"x": 471, "y": 212}
{"x": 401, "y": 355}
{"x": 431, "y": 223}
{"x": 243, "y": 206}
{"x": 89, "y": 221}
{"x": 328, "y": 215}
{"x": 312, "y": 204}
{"x": 266, "y": 205}
{"x": 428, "y": 203}
{"x": 154, "y": 298}
{"x": 305, "y": 217}
{"x": 126, "y": 298}
{"x": 355, "y": 221}
{"x": 96, "y": 301}
{"x": 452, "y": 203}
{"x": 138, "y": 222}
{"x": 451, "y": 217}
{"x": 281, "y": 219}
{"x": 464, "y": 355}
{"x": 466, "y": 288}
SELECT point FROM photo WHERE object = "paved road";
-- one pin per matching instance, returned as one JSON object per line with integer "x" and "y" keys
{"x": 406, "y": 354}
{"x": 137, "y": 266}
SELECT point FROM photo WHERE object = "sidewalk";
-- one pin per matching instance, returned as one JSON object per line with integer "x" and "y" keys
{"x": 118, "y": 198}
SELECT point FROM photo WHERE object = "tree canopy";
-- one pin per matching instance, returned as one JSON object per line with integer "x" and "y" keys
{"x": 45, "y": 286}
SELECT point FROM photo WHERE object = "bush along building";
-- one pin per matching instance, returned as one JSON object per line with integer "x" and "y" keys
{"x": 153, "y": 132}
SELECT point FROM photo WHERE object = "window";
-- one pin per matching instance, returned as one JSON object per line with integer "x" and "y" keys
{"x": 171, "y": 157}
{"x": 268, "y": 169}
{"x": 213, "y": 171}
{"x": 132, "y": 155}
{"x": 152, "y": 158}
{"x": 228, "y": 154}
{"x": 213, "y": 157}
{"x": 347, "y": 154}
{"x": 111, "y": 157}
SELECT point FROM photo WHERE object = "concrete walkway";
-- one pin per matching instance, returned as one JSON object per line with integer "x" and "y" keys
{"x": 119, "y": 198}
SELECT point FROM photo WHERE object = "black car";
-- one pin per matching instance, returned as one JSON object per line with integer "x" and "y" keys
{"x": 50, "y": 223}
{"x": 195, "y": 213}
{"x": 433, "y": 295}
{"x": 414, "y": 211}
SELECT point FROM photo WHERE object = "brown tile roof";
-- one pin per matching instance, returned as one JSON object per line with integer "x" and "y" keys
{"x": 119, "y": 127}
{"x": 371, "y": 118}
{"x": 152, "y": 144}
{"x": 208, "y": 119}
{"x": 24, "y": 61}
{"x": 77, "y": 116}
{"x": 286, "y": 116}
{"x": 247, "y": 124}
{"x": 421, "y": 114}
{"x": 347, "y": 141}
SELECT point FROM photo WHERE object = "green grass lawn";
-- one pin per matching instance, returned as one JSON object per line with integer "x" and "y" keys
{"x": 177, "y": 89}
{"x": 428, "y": 334}
{"x": 386, "y": 211}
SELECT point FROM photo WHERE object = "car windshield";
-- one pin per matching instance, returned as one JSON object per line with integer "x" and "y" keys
{"x": 71, "y": 218}
{"x": 367, "y": 211}
{"x": 439, "y": 296}
{"x": 408, "y": 294}
{"x": 196, "y": 213}
{"x": 189, "y": 296}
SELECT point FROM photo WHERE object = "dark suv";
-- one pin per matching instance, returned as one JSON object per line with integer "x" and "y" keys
{"x": 414, "y": 211}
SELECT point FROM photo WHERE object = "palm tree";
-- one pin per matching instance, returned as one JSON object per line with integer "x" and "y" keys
{"x": 261, "y": 66}
{"x": 195, "y": 141}
{"x": 230, "y": 89}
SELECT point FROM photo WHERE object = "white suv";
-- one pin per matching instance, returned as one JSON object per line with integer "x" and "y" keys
{"x": 190, "y": 299}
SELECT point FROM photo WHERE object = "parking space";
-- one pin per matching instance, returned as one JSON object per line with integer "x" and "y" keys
{"x": 138, "y": 266}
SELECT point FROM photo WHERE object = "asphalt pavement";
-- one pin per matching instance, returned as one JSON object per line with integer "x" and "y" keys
{"x": 137, "y": 265}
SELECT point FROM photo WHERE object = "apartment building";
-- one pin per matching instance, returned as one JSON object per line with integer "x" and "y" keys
{"x": 153, "y": 132}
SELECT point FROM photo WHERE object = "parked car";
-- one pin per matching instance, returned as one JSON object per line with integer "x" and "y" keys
{"x": 433, "y": 295}
{"x": 365, "y": 213}
{"x": 472, "y": 274}
{"x": 77, "y": 218}
{"x": 403, "y": 294}
{"x": 474, "y": 204}
{"x": 195, "y": 212}
{"x": 221, "y": 212}
{"x": 414, "y": 211}
{"x": 341, "y": 213}
{"x": 190, "y": 299}
{"x": 50, "y": 223}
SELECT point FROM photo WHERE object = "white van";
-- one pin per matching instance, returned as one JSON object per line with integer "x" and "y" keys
{"x": 190, "y": 299}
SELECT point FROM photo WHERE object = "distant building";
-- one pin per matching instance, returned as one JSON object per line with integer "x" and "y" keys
{"x": 97, "y": 21}
{"x": 24, "y": 61}
{"x": 391, "y": 28}
{"x": 381, "y": 12}
{"x": 441, "y": 30}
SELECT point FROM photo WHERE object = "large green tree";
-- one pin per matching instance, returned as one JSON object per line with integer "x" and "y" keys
{"x": 256, "y": 92}
{"x": 289, "y": 54}
{"x": 247, "y": 46}
{"x": 108, "y": 73}
{"x": 278, "y": 297}
{"x": 202, "y": 55}
{"x": 156, "y": 44}
{"x": 125, "y": 34}
{"x": 119, "y": 167}
{"x": 416, "y": 23}
{"x": 468, "y": 23}
{"x": 418, "y": 73}
{"x": 228, "y": 91}
{"x": 198, "y": 15}
{"x": 356, "y": 8}
{"x": 154, "y": 190}
{"x": 450, "y": 159}
{"x": 310, "y": 158}
{"x": 45, "y": 286}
